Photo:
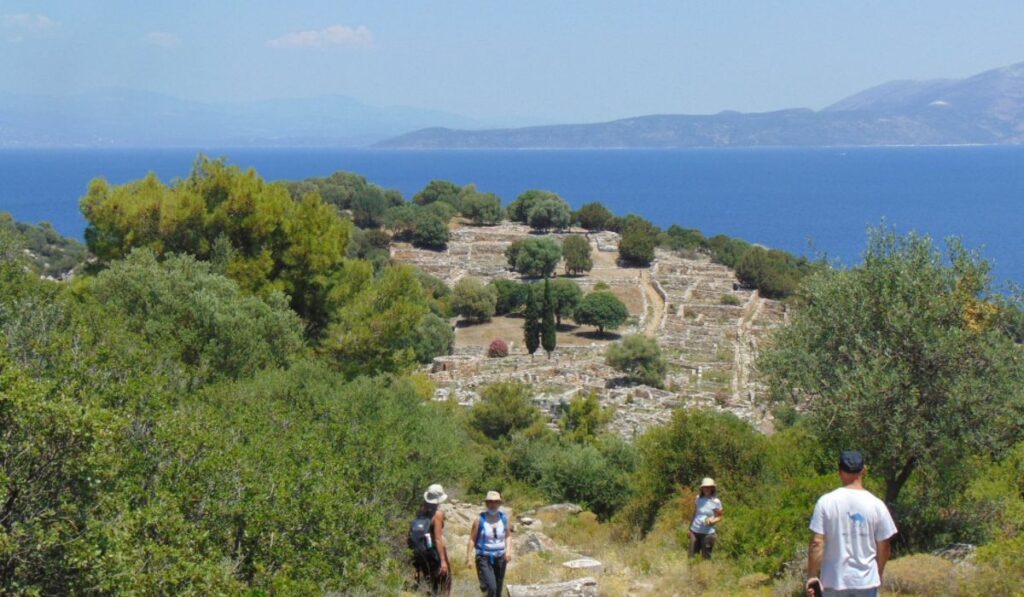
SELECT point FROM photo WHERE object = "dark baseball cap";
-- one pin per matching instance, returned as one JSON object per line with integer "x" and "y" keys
{"x": 851, "y": 461}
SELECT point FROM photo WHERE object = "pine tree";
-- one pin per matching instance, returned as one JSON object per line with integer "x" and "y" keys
{"x": 548, "y": 335}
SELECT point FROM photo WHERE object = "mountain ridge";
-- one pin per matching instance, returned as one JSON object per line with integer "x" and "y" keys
{"x": 986, "y": 108}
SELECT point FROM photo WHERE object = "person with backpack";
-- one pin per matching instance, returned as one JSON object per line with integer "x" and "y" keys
{"x": 706, "y": 515}
{"x": 491, "y": 540}
{"x": 426, "y": 540}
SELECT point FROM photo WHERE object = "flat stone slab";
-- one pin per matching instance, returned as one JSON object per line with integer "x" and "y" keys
{"x": 581, "y": 587}
{"x": 583, "y": 564}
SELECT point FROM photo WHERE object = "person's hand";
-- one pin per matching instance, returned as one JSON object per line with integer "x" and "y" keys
{"x": 508, "y": 557}
{"x": 469, "y": 563}
{"x": 813, "y": 587}
{"x": 444, "y": 568}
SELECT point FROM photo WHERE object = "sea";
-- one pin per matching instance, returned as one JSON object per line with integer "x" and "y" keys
{"x": 814, "y": 202}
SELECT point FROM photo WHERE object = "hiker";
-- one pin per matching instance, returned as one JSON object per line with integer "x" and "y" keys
{"x": 426, "y": 539}
{"x": 491, "y": 540}
{"x": 706, "y": 515}
{"x": 852, "y": 529}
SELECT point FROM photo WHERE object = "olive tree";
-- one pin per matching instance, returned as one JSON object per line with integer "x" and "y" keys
{"x": 902, "y": 357}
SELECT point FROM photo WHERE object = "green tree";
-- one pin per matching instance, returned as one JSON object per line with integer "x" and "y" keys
{"x": 438, "y": 190}
{"x": 373, "y": 330}
{"x": 483, "y": 209}
{"x": 593, "y": 216}
{"x": 431, "y": 231}
{"x": 503, "y": 409}
{"x": 368, "y": 208}
{"x": 776, "y": 274}
{"x": 473, "y": 300}
{"x": 640, "y": 358}
{"x": 548, "y": 213}
{"x": 548, "y": 332}
{"x": 601, "y": 309}
{"x": 200, "y": 318}
{"x": 637, "y": 243}
{"x": 276, "y": 243}
{"x": 534, "y": 257}
{"x": 566, "y": 295}
{"x": 511, "y": 295}
{"x": 532, "y": 320}
{"x": 896, "y": 358}
{"x": 576, "y": 251}
{"x": 677, "y": 238}
{"x": 401, "y": 221}
{"x": 433, "y": 337}
{"x": 727, "y": 251}
{"x": 519, "y": 210}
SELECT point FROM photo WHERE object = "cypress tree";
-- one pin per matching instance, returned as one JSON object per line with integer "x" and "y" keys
{"x": 531, "y": 323}
{"x": 548, "y": 335}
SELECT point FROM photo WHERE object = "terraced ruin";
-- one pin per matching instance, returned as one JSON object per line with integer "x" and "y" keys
{"x": 710, "y": 345}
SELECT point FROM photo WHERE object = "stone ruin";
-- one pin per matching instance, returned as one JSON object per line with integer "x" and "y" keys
{"x": 710, "y": 345}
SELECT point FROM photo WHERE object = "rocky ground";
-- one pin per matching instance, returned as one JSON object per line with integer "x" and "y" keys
{"x": 710, "y": 345}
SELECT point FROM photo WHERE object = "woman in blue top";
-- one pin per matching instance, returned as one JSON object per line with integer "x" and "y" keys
{"x": 491, "y": 540}
{"x": 706, "y": 515}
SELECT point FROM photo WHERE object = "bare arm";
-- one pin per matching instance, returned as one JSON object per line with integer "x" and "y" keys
{"x": 815, "y": 554}
{"x": 471, "y": 547}
{"x": 442, "y": 549}
{"x": 882, "y": 556}
{"x": 508, "y": 543}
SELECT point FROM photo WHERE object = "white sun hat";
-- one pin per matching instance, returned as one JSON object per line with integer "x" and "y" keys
{"x": 435, "y": 494}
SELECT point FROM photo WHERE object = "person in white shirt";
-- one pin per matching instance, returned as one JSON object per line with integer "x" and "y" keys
{"x": 706, "y": 514}
{"x": 852, "y": 529}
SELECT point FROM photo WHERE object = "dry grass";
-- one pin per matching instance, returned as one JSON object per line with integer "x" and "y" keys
{"x": 919, "y": 574}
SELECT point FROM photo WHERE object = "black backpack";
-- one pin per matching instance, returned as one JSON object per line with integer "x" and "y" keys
{"x": 421, "y": 542}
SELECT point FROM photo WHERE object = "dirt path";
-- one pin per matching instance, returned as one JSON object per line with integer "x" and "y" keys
{"x": 655, "y": 305}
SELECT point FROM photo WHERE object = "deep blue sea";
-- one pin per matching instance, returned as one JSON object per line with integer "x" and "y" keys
{"x": 807, "y": 201}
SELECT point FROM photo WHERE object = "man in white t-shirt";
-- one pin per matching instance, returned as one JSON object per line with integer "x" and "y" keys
{"x": 852, "y": 528}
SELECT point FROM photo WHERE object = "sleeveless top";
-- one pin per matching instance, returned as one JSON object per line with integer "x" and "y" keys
{"x": 490, "y": 539}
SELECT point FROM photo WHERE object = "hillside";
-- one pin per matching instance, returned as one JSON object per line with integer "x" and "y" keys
{"x": 987, "y": 108}
{"x": 710, "y": 346}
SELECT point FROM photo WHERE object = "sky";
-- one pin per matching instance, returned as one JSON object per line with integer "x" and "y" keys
{"x": 513, "y": 62}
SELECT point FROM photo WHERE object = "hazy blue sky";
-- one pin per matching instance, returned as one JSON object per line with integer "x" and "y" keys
{"x": 515, "y": 61}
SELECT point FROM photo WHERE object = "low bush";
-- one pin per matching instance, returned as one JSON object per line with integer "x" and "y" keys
{"x": 497, "y": 349}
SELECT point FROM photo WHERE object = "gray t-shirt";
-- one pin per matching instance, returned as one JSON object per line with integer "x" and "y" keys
{"x": 853, "y": 521}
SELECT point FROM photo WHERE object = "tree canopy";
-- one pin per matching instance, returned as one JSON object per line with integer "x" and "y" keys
{"x": 576, "y": 251}
{"x": 640, "y": 358}
{"x": 601, "y": 309}
{"x": 534, "y": 257}
{"x": 593, "y": 216}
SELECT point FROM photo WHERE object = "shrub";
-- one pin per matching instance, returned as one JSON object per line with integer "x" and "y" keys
{"x": 731, "y": 300}
{"x": 640, "y": 358}
{"x": 502, "y": 409}
{"x": 727, "y": 251}
{"x": 918, "y": 574}
{"x": 473, "y": 301}
{"x": 497, "y": 349}
{"x": 433, "y": 337}
{"x": 677, "y": 238}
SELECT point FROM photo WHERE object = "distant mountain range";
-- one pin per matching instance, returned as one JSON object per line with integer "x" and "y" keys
{"x": 124, "y": 118}
{"x": 987, "y": 108}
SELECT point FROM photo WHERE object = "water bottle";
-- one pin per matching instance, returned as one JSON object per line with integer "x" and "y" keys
{"x": 430, "y": 540}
